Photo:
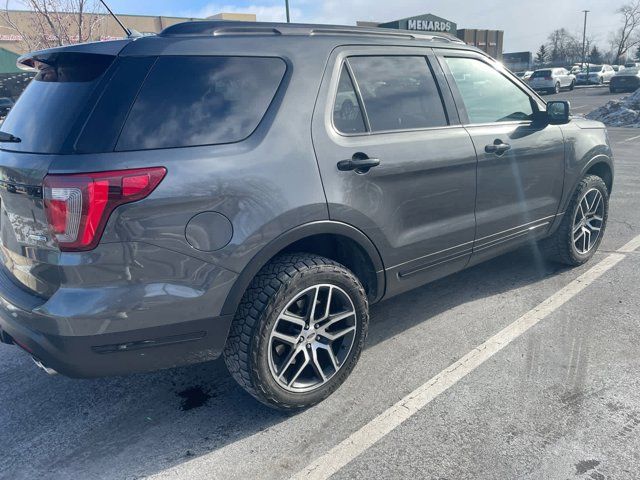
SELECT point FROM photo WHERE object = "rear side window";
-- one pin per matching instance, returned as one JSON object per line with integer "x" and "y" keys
{"x": 347, "y": 114}
{"x": 191, "y": 101}
{"x": 398, "y": 92}
{"x": 55, "y": 101}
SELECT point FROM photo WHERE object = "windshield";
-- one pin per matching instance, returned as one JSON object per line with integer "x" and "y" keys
{"x": 49, "y": 108}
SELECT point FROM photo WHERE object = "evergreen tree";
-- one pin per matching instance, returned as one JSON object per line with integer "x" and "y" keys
{"x": 595, "y": 56}
{"x": 542, "y": 55}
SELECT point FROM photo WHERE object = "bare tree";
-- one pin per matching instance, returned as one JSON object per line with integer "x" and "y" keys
{"x": 55, "y": 23}
{"x": 628, "y": 35}
{"x": 564, "y": 48}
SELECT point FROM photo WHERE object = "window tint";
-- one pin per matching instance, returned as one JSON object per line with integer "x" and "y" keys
{"x": 189, "y": 101}
{"x": 347, "y": 114}
{"x": 399, "y": 93}
{"x": 56, "y": 100}
{"x": 488, "y": 96}
{"x": 540, "y": 73}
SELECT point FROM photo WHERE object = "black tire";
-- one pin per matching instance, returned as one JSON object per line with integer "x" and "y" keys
{"x": 572, "y": 86}
{"x": 246, "y": 352}
{"x": 601, "y": 81}
{"x": 557, "y": 88}
{"x": 560, "y": 246}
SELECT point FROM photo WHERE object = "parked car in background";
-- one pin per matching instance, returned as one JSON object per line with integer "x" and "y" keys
{"x": 524, "y": 75}
{"x": 617, "y": 68}
{"x": 552, "y": 80}
{"x": 595, "y": 75}
{"x": 5, "y": 105}
{"x": 627, "y": 80}
{"x": 632, "y": 64}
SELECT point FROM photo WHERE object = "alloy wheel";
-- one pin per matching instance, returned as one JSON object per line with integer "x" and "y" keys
{"x": 312, "y": 338}
{"x": 588, "y": 221}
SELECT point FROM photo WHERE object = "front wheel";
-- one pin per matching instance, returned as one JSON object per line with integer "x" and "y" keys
{"x": 298, "y": 332}
{"x": 579, "y": 235}
{"x": 572, "y": 86}
{"x": 557, "y": 89}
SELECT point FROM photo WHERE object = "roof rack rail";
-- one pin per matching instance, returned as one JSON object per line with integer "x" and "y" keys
{"x": 221, "y": 27}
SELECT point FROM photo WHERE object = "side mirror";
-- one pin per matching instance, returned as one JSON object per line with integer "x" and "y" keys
{"x": 558, "y": 112}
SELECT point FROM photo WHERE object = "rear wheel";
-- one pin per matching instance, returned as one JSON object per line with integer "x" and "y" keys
{"x": 298, "y": 332}
{"x": 583, "y": 225}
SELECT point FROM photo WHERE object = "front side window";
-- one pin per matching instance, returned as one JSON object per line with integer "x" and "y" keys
{"x": 191, "y": 101}
{"x": 488, "y": 96}
{"x": 398, "y": 92}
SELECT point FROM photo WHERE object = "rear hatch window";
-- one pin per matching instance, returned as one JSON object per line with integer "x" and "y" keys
{"x": 52, "y": 104}
{"x": 541, "y": 74}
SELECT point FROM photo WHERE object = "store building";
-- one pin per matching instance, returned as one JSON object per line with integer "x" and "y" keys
{"x": 489, "y": 41}
{"x": 105, "y": 26}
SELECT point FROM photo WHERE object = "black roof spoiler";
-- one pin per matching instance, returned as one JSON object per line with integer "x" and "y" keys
{"x": 111, "y": 47}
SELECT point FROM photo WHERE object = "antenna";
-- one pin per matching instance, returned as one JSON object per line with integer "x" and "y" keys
{"x": 129, "y": 32}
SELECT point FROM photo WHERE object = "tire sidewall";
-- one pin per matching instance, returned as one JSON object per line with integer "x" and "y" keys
{"x": 322, "y": 274}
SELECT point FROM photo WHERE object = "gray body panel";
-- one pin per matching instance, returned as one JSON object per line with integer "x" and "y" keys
{"x": 436, "y": 204}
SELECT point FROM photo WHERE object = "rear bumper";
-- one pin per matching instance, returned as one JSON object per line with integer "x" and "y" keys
{"x": 103, "y": 322}
{"x": 119, "y": 353}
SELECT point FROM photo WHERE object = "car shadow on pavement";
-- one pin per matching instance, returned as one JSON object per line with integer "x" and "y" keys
{"x": 129, "y": 427}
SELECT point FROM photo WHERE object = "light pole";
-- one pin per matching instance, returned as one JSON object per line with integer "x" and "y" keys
{"x": 286, "y": 4}
{"x": 584, "y": 39}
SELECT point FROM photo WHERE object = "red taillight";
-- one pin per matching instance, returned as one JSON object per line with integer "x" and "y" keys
{"x": 78, "y": 206}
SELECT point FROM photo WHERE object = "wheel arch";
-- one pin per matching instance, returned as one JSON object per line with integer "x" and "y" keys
{"x": 335, "y": 240}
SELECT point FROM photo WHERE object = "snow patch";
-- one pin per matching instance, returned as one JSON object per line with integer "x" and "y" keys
{"x": 624, "y": 112}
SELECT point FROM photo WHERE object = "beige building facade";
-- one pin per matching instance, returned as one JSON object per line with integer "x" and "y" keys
{"x": 104, "y": 26}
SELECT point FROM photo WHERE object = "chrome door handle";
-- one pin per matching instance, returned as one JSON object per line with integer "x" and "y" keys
{"x": 498, "y": 147}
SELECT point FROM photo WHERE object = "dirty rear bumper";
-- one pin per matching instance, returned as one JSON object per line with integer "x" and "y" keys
{"x": 119, "y": 353}
{"x": 112, "y": 318}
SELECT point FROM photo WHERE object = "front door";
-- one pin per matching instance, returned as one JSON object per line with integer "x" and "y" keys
{"x": 520, "y": 161}
{"x": 395, "y": 162}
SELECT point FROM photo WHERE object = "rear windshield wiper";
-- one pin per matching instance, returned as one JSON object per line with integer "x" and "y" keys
{"x": 7, "y": 137}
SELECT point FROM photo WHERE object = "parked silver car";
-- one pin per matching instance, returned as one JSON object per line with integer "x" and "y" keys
{"x": 552, "y": 80}
{"x": 595, "y": 74}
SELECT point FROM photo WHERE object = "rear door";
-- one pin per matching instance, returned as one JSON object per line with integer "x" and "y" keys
{"x": 521, "y": 163}
{"x": 383, "y": 108}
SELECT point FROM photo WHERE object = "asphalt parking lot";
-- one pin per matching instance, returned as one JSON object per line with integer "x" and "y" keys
{"x": 559, "y": 400}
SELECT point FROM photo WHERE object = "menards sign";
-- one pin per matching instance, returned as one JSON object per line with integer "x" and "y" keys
{"x": 423, "y": 23}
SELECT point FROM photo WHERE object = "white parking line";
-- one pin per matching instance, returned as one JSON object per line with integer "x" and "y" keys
{"x": 358, "y": 442}
{"x": 632, "y": 138}
{"x": 579, "y": 107}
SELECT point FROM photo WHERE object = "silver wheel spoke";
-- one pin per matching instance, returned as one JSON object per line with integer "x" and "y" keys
{"x": 316, "y": 365}
{"x": 292, "y": 356}
{"x": 339, "y": 334}
{"x": 332, "y": 355}
{"x": 292, "y": 319}
{"x": 290, "y": 339}
{"x": 299, "y": 371}
{"x": 337, "y": 318}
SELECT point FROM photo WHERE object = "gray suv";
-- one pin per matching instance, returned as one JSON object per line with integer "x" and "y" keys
{"x": 249, "y": 189}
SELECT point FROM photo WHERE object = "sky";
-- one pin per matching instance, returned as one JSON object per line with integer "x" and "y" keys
{"x": 526, "y": 23}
